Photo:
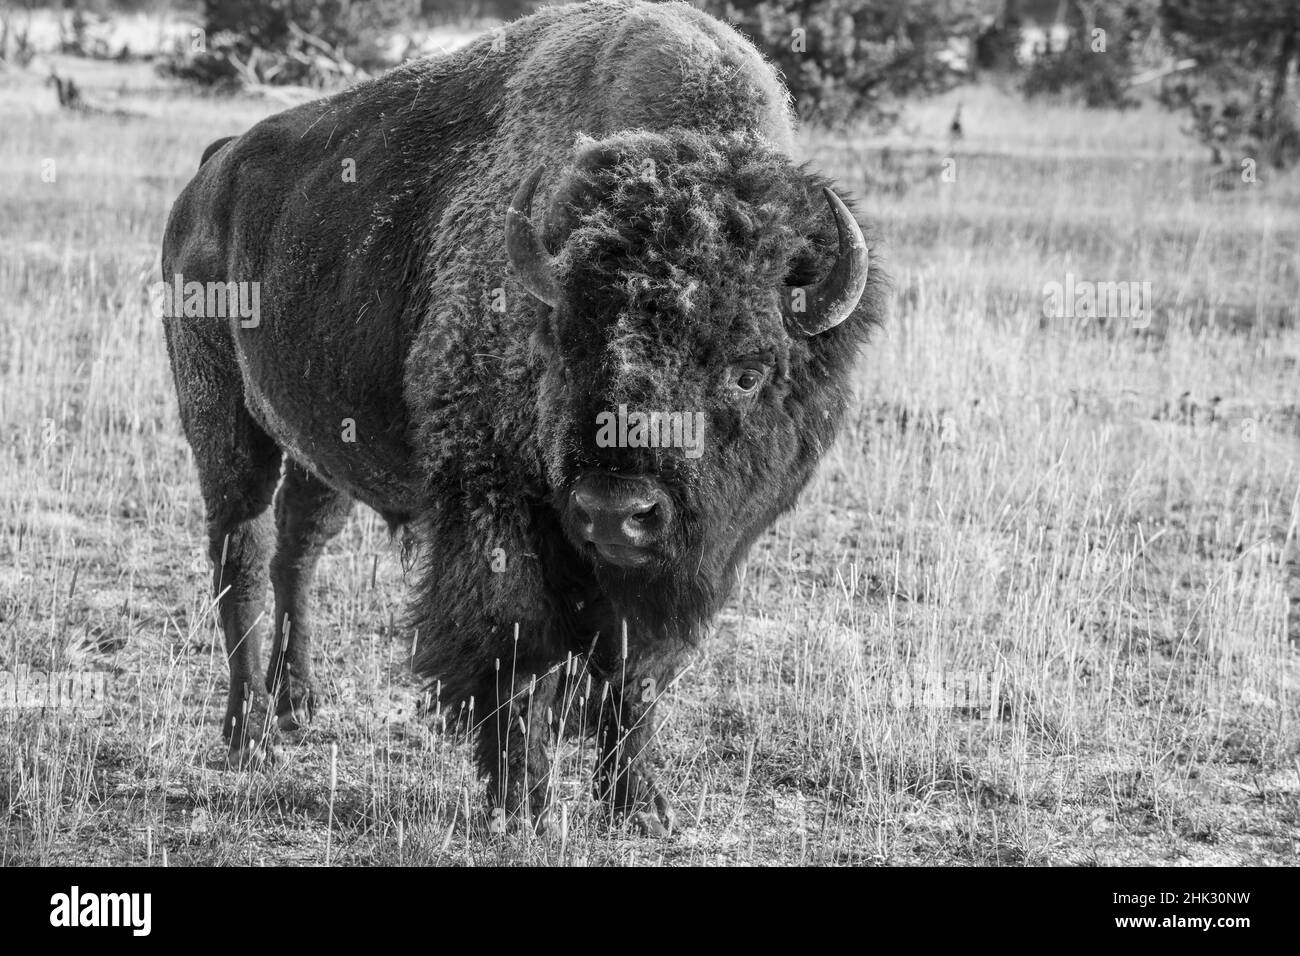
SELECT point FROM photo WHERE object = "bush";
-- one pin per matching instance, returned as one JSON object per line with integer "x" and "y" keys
{"x": 460, "y": 10}
{"x": 1099, "y": 58}
{"x": 844, "y": 59}
{"x": 308, "y": 42}
{"x": 1076, "y": 71}
{"x": 1238, "y": 98}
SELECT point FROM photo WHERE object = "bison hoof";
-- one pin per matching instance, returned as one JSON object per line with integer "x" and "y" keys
{"x": 250, "y": 755}
{"x": 649, "y": 825}
{"x": 664, "y": 810}
{"x": 537, "y": 822}
{"x": 295, "y": 718}
{"x": 295, "y": 710}
{"x": 657, "y": 823}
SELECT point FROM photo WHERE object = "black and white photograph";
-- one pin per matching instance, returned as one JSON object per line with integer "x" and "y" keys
{"x": 726, "y": 433}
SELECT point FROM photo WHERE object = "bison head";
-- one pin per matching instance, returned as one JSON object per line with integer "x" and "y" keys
{"x": 703, "y": 306}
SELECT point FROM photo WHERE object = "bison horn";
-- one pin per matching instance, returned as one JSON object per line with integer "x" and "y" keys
{"x": 815, "y": 308}
{"x": 532, "y": 262}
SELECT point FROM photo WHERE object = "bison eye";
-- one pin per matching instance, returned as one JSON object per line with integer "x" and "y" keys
{"x": 746, "y": 379}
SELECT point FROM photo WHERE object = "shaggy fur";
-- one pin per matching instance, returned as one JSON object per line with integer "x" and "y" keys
{"x": 675, "y": 215}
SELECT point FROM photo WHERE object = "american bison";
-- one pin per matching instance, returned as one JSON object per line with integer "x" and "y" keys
{"x": 465, "y": 268}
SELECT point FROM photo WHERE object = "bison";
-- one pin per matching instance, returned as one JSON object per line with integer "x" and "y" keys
{"x": 497, "y": 288}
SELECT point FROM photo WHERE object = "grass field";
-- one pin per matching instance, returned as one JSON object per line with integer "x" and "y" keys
{"x": 1088, "y": 520}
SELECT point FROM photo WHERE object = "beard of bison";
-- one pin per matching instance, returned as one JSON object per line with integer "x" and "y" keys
{"x": 670, "y": 250}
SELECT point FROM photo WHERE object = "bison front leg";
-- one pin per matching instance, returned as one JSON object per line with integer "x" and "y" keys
{"x": 626, "y": 780}
{"x": 514, "y": 744}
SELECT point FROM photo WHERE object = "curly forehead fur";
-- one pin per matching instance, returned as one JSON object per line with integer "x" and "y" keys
{"x": 678, "y": 224}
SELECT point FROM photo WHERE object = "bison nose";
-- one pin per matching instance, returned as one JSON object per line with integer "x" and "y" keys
{"x": 617, "y": 513}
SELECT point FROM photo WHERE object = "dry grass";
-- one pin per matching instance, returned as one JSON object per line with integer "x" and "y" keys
{"x": 1031, "y": 499}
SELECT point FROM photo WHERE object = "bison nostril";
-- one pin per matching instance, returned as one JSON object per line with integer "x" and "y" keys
{"x": 649, "y": 517}
{"x": 620, "y": 513}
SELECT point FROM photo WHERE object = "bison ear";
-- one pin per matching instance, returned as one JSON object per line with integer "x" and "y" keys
{"x": 813, "y": 309}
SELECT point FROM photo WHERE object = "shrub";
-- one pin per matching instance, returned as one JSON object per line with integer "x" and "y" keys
{"x": 310, "y": 42}
{"x": 848, "y": 58}
{"x": 1237, "y": 98}
{"x": 1100, "y": 55}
